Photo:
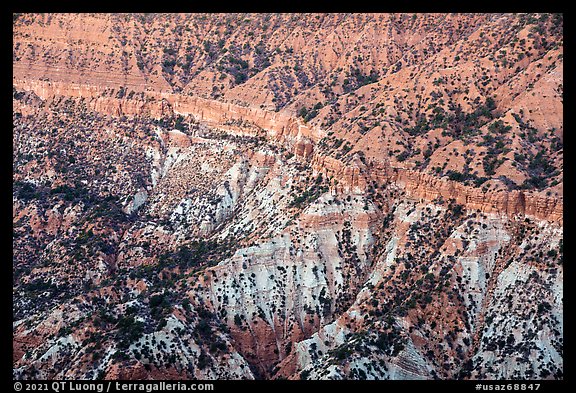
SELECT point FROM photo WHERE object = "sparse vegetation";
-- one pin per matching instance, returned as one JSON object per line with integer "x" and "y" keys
{"x": 365, "y": 213}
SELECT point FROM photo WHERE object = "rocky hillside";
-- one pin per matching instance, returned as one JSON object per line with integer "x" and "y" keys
{"x": 288, "y": 196}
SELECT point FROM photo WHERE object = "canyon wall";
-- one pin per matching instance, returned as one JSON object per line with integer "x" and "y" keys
{"x": 288, "y": 196}
{"x": 284, "y": 128}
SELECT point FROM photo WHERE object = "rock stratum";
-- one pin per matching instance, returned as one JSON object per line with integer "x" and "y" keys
{"x": 288, "y": 196}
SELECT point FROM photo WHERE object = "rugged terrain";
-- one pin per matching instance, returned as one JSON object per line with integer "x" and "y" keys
{"x": 300, "y": 196}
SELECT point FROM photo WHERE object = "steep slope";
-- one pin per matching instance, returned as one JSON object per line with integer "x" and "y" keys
{"x": 293, "y": 196}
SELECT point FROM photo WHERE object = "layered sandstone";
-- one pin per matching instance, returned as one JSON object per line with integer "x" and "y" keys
{"x": 253, "y": 196}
